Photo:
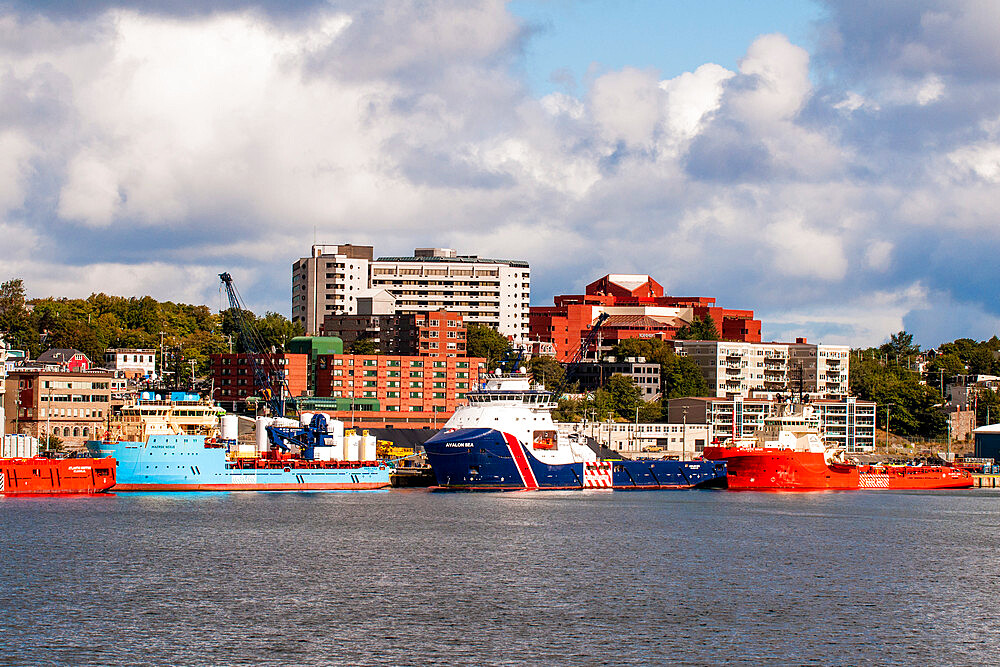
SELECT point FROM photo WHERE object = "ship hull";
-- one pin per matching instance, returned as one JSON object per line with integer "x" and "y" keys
{"x": 184, "y": 463}
{"x": 785, "y": 470}
{"x": 481, "y": 459}
{"x": 40, "y": 476}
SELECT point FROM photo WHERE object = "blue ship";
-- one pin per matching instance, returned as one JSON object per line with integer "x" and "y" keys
{"x": 504, "y": 439}
{"x": 173, "y": 446}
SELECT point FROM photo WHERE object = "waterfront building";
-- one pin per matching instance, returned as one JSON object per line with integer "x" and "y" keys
{"x": 339, "y": 279}
{"x": 770, "y": 369}
{"x": 3, "y": 384}
{"x": 131, "y": 362}
{"x": 846, "y": 423}
{"x": 389, "y": 390}
{"x": 637, "y": 308}
{"x": 72, "y": 406}
{"x": 681, "y": 440}
{"x": 233, "y": 378}
{"x": 595, "y": 374}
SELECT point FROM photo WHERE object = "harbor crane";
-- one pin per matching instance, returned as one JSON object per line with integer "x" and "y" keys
{"x": 268, "y": 378}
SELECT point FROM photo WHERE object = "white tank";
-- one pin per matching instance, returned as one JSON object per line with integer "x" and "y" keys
{"x": 335, "y": 428}
{"x": 352, "y": 447}
{"x": 368, "y": 448}
{"x": 262, "y": 442}
{"x": 229, "y": 427}
{"x": 305, "y": 418}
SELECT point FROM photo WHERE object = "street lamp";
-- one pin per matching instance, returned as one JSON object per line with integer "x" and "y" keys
{"x": 888, "y": 407}
{"x": 684, "y": 435}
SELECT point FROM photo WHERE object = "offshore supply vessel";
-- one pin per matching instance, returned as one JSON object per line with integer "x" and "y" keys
{"x": 788, "y": 454}
{"x": 187, "y": 444}
{"x": 504, "y": 439}
{"x": 45, "y": 476}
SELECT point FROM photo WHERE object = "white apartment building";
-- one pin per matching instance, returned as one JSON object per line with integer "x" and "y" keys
{"x": 496, "y": 292}
{"x": 141, "y": 362}
{"x": 848, "y": 424}
{"x": 328, "y": 283}
{"x": 734, "y": 369}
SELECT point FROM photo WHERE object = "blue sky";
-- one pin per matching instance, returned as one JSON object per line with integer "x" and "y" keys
{"x": 672, "y": 36}
{"x": 832, "y": 165}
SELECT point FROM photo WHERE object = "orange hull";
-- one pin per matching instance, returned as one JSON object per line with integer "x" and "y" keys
{"x": 787, "y": 470}
{"x": 56, "y": 476}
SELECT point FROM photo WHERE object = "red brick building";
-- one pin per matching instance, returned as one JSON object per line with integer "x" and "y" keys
{"x": 378, "y": 390}
{"x": 233, "y": 379}
{"x": 404, "y": 334}
{"x": 637, "y": 308}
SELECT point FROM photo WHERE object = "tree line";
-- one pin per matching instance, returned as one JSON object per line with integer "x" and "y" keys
{"x": 92, "y": 325}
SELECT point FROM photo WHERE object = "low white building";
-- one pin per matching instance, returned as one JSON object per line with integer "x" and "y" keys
{"x": 681, "y": 440}
{"x": 140, "y": 362}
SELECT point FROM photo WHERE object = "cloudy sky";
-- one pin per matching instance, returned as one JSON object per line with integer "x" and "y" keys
{"x": 832, "y": 165}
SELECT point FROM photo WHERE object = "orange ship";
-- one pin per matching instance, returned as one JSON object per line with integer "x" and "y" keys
{"x": 40, "y": 475}
{"x": 788, "y": 454}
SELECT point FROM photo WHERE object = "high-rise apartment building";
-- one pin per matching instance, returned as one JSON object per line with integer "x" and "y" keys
{"x": 328, "y": 282}
{"x": 766, "y": 369}
{"x": 495, "y": 292}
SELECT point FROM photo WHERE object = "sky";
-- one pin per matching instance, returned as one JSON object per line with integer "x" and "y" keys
{"x": 832, "y": 165}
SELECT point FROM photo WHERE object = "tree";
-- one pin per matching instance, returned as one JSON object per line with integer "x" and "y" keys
{"x": 900, "y": 345}
{"x": 547, "y": 371}
{"x": 681, "y": 377}
{"x": 15, "y": 320}
{"x": 914, "y": 407}
{"x": 364, "y": 346}
{"x": 699, "y": 329}
{"x": 987, "y": 407}
{"x": 484, "y": 341}
{"x": 623, "y": 396}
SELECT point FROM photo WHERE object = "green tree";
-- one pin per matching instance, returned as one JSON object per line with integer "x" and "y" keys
{"x": 623, "y": 396}
{"x": 942, "y": 369}
{"x": 364, "y": 346}
{"x": 547, "y": 371}
{"x": 699, "y": 329}
{"x": 16, "y": 326}
{"x": 900, "y": 346}
{"x": 682, "y": 377}
{"x": 484, "y": 341}
{"x": 913, "y": 407}
{"x": 987, "y": 407}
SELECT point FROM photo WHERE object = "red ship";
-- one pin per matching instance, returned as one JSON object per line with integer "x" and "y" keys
{"x": 40, "y": 475}
{"x": 788, "y": 455}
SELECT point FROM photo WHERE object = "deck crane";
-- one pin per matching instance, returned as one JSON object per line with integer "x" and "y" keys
{"x": 575, "y": 361}
{"x": 266, "y": 374}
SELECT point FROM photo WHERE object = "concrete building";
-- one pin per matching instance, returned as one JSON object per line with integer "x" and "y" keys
{"x": 328, "y": 282}
{"x": 233, "y": 378}
{"x": 437, "y": 332}
{"x": 131, "y": 362}
{"x": 681, "y": 440}
{"x": 848, "y": 423}
{"x": 496, "y": 292}
{"x": 636, "y": 308}
{"x": 594, "y": 375}
{"x": 378, "y": 390}
{"x": 340, "y": 279}
{"x": 72, "y": 406}
{"x": 770, "y": 369}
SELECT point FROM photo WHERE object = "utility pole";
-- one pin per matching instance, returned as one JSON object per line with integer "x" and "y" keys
{"x": 684, "y": 436}
{"x": 635, "y": 444}
{"x": 888, "y": 407}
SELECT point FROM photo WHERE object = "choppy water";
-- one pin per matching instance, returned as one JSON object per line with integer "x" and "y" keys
{"x": 577, "y": 578}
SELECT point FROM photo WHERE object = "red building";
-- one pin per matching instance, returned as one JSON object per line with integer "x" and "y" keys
{"x": 233, "y": 380}
{"x": 68, "y": 359}
{"x": 636, "y": 308}
{"x": 379, "y": 390}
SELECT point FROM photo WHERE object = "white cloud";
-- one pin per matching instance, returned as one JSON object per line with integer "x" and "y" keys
{"x": 16, "y": 152}
{"x": 626, "y": 105}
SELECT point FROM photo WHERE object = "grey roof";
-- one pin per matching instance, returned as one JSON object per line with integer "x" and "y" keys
{"x": 59, "y": 354}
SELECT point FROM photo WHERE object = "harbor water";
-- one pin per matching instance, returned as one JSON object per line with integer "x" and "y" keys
{"x": 556, "y": 578}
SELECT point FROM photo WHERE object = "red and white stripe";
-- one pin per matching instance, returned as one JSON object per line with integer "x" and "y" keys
{"x": 873, "y": 481}
{"x": 521, "y": 460}
{"x": 597, "y": 475}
